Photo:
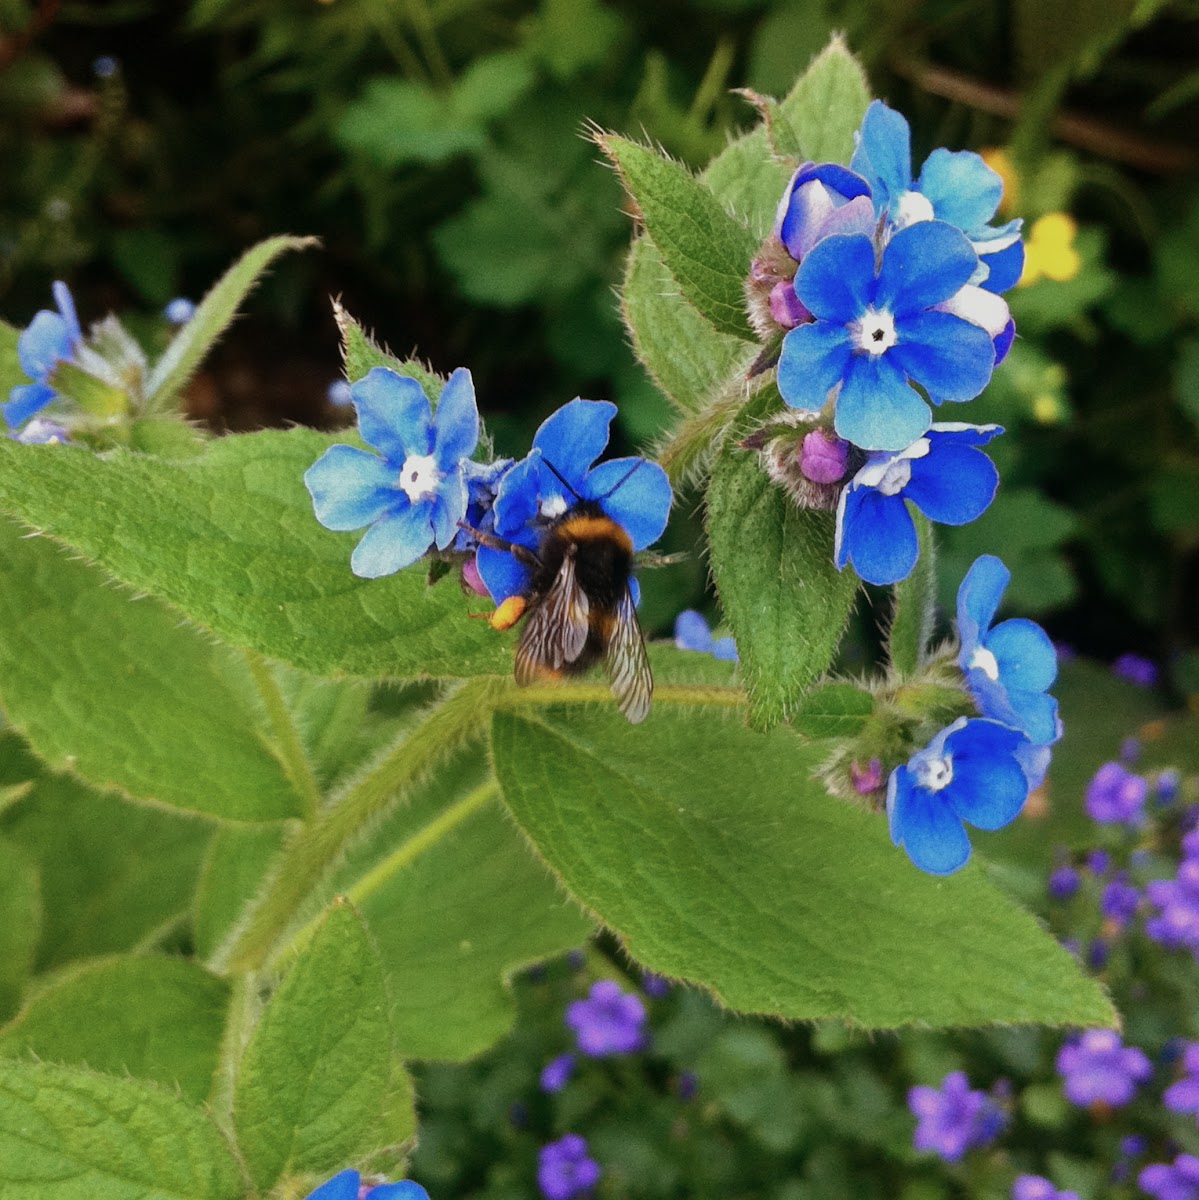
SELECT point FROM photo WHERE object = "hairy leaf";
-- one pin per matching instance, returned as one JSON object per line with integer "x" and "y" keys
{"x": 826, "y": 106}
{"x": 20, "y": 923}
{"x": 360, "y": 354}
{"x": 711, "y": 851}
{"x": 230, "y": 540}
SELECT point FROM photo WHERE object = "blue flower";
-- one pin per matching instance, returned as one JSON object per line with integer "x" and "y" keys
{"x": 609, "y": 1021}
{"x": 51, "y": 338}
{"x": 944, "y": 474}
{"x": 41, "y": 432}
{"x": 555, "y": 1075}
{"x": 956, "y": 187}
{"x": 877, "y": 329}
{"x": 482, "y": 486}
{"x": 1011, "y": 667}
{"x": 954, "y": 1118}
{"x": 566, "y": 1169}
{"x": 179, "y": 311}
{"x": 413, "y": 493}
{"x": 691, "y": 632}
{"x": 557, "y": 474}
{"x": 970, "y": 772}
{"x": 348, "y": 1186}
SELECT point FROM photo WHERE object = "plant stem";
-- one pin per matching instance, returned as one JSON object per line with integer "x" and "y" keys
{"x": 287, "y": 742}
{"x": 243, "y": 1004}
{"x": 538, "y": 695}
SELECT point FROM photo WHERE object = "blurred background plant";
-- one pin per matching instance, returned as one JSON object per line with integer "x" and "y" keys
{"x": 434, "y": 146}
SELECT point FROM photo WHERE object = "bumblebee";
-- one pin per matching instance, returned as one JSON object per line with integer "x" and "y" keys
{"x": 579, "y": 609}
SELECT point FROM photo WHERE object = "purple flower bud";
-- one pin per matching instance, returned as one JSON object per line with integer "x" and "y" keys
{"x": 824, "y": 457}
{"x": 654, "y": 985}
{"x": 786, "y": 307}
{"x": 688, "y": 1085}
{"x": 1168, "y": 783}
{"x": 1098, "y": 1068}
{"x": 555, "y": 1075}
{"x": 1120, "y": 900}
{"x": 1133, "y": 1146}
{"x": 1136, "y": 669}
{"x": 1099, "y": 862}
{"x": 1035, "y": 1187}
{"x": 472, "y": 578}
{"x": 1115, "y": 795}
{"x": 1097, "y": 954}
{"x": 609, "y": 1021}
{"x": 564, "y": 1168}
{"x": 866, "y": 779}
{"x": 1064, "y": 883}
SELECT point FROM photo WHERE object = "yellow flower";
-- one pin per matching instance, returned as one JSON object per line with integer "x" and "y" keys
{"x": 1000, "y": 162}
{"x": 1049, "y": 252}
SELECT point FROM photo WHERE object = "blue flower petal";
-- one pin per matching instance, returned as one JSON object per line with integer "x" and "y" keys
{"x": 923, "y": 265}
{"x": 26, "y": 401}
{"x": 637, "y": 497}
{"x": 502, "y": 574}
{"x": 404, "y": 1190}
{"x": 1035, "y": 714}
{"x": 836, "y": 278}
{"x": 988, "y": 787}
{"x": 978, "y": 600}
{"x": 395, "y": 541}
{"x": 1004, "y": 340}
{"x": 1025, "y": 654}
{"x": 519, "y": 497}
{"x": 456, "y": 422}
{"x": 725, "y": 649}
{"x": 393, "y": 414}
{"x": 66, "y": 306}
{"x": 47, "y": 341}
{"x": 876, "y": 409}
{"x": 574, "y": 437}
{"x": 962, "y": 189}
{"x": 449, "y": 507}
{"x": 950, "y": 358}
{"x": 879, "y": 536}
{"x": 952, "y": 484}
{"x": 926, "y": 826}
{"x": 691, "y": 631}
{"x": 884, "y": 155}
{"x": 814, "y": 360}
{"x": 1034, "y": 762}
{"x": 954, "y": 433}
{"x": 351, "y": 488}
{"x": 1005, "y": 267}
{"x": 343, "y": 1186}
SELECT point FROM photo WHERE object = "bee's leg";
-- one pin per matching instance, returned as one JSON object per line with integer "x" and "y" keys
{"x": 520, "y": 553}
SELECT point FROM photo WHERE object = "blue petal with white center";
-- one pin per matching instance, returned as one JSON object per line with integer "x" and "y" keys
{"x": 970, "y": 773}
{"x": 51, "y": 338}
{"x": 945, "y": 474}
{"x": 413, "y": 493}
{"x": 1010, "y": 667}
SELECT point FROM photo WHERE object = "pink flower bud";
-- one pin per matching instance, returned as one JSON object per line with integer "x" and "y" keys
{"x": 823, "y": 457}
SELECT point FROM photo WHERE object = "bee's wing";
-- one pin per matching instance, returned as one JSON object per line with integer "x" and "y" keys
{"x": 555, "y": 631}
{"x": 627, "y": 664}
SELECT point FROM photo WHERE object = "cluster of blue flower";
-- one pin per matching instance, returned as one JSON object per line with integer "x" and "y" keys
{"x": 891, "y": 284}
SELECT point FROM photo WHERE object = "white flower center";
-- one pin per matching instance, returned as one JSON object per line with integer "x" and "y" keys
{"x": 874, "y": 333}
{"x": 911, "y": 210}
{"x": 933, "y": 774}
{"x": 419, "y": 477}
{"x": 896, "y": 477}
{"x": 553, "y": 506}
{"x": 984, "y": 660}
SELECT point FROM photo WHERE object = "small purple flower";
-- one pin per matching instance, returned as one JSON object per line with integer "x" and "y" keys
{"x": 609, "y": 1021}
{"x": 1035, "y": 1187}
{"x": 866, "y": 779}
{"x": 181, "y": 310}
{"x": 1183, "y": 1096}
{"x": 1120, "y": 901}
{"x": 564, "y": 1168}
{"x": 51, "y": 338}
{"x": 823, "y": 457}
{"x": 348, "y": 1185}
{"x": 1136, "y": 669}
{"x": 1179, "y": 1181}
{"x": 1064, "y": 883}
{"x": 1097, "y": 1068}
{"x": 1167, "y": 785}
{"x": 944, "y": 474}
{"x": 1115, "y": 795}
{"x": 654, "y": 985}
{"x": 1098, "y": 952}
{"x": 1099, "y": 862}
{"x": 1133, "y": 1146}
{"x": 1176, "y": 923}
{"x": 692, "y": 632}
{"x": 954, "y": 1118}
{"x": 555, "y": 1075}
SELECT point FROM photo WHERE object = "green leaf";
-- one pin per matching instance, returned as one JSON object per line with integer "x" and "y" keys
{"x": 457, "y": 904}
{"x": 833, "y": 710}
{"x": 20, "y": 923}
{"x": 318, "y": 1063}
{"x": 914, "y": 605}
{"x": 237, "y": 862}
{"x": 11, "y": 375}
{"x": 707, "y": 251}
{"x": 212, "y": 317}
{"x": 229, "y": 539}
{"x": 112, "y": 873}
{"x": 95, "y": 396}
{"x": 155, "y": 1018}
{"x": 360, "y": 354}
{"x": 773, "y": 566}
{"x": 122, "y": 694}
{"x": 79, "y": 1136}
{"x": 751, "y": 881}
{"x": 827, "y": 104}
{"x": 167, "y": 437}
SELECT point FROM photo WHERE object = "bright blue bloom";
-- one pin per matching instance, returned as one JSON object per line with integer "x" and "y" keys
{"x": 954, "y": 1118}
{"x": 565, "y": 1169}
{"x": 956, "y": 187}
{"x": 180, "y": 310}
{"x": 633, "y": 492}
{"x": 412, "y": 493}
{"x": 609, "y": 1021}
{"x": 944, "y": 474}
{"x": 348, "y": 1185}
{"x": 876, "y": 330}
{"x": 557, "y": 1072}
{"x": 970, "y": 772}
{"x": 692, "y": 632}
{"x": 51, "y": 338}
{"x": 482, "y": 486}
{"x": 1011, "y": 667}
